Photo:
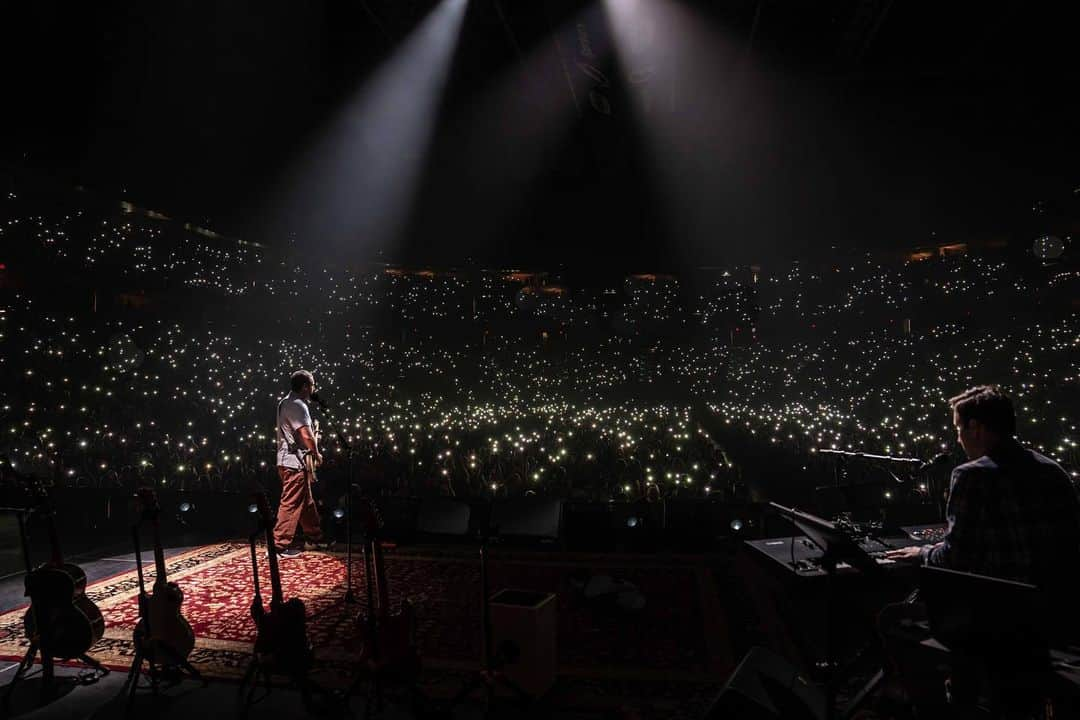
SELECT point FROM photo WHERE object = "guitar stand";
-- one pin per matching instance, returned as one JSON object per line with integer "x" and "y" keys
{"x": 491, "y": 676}
{"x": 259, "y": 670}
{"x": 379, "y": 678}
{"x": 41, "y": 641}
{"x": 159, "y": 657}
{"x": 491, "y": 680}
{"x": 48, "y": 674}
{"x": 173, "y": 665}
{"x": 378, "y": 675}
{"x": 373, "y": 705}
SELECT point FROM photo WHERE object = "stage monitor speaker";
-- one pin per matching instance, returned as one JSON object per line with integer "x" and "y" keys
{"x": 765, "y": 686}
{"x": 530, "y": 518}
{"x": 524, "y": 628}
{"x": 444, "y": 517}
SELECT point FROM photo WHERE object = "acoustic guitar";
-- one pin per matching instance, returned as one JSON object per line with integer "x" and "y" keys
{"x": 64, "y": 621}
{"x": 282, "y": 640}
{"x": 310, "y": 465}
{"x": 161, "y": 624}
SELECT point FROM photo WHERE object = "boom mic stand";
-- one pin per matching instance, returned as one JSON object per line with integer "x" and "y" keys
{"x": 880, "y": 462}
{"x": 350, "y": 598}
{"x": 870, "y": 456}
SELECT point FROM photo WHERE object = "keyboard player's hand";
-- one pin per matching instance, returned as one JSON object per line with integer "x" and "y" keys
{"x": 910, "y": 554}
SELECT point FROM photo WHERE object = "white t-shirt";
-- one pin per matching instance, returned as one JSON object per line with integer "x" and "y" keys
{"x": 292, "y": 415}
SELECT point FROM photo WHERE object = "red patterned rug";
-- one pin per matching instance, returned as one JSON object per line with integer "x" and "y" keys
{"x": 676, "y": 635}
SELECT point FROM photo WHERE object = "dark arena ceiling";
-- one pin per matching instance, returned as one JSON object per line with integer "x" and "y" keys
{"x": 651, "y": 132}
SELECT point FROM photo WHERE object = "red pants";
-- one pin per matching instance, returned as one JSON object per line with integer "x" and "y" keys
{"x": 297, "y": 507}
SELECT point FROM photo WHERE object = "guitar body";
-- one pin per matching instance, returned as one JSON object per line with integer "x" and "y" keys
{"x": 161, "y": 611}
{"x": 72, "y": 621}
{"x": 169, "y": 627}
{"x": 77, "y": 575}
{"x": 394, "y": 647}
{"x": 386, "y": 641}
{"x": 310, "y": 466}
{"x": 282, "y": 640}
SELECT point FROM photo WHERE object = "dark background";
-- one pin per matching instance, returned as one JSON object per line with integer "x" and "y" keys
{"x": 840, "y": 124}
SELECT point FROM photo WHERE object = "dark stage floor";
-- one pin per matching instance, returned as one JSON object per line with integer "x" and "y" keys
{"x": 578, "y": 692}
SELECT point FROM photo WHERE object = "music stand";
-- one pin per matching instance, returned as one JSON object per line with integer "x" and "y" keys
{"x": 836, "y": 547}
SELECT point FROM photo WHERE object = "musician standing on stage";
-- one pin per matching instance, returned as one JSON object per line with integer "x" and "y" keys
{"x": 296, "y": 438}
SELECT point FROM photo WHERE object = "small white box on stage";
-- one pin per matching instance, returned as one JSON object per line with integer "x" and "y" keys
{"x": 527, "y": 621}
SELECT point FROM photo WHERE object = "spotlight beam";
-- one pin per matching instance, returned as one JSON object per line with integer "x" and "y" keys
{"x": 358, "y": 182}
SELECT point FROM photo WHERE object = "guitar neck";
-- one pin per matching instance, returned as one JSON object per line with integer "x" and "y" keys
{"x": 138, "y": 558}
{"x": 159, "y": 557}
{"x": 276, "y": 596}
{"x": 255, "y": 565}
{"x": 382, "y": 590}
{"x": 54, "y": 539}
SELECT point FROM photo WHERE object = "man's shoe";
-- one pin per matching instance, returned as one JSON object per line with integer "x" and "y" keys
{"x": 289, "y": 552}
{"x": 320, "y": 545}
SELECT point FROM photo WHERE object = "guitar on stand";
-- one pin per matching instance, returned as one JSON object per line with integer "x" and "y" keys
{"x": 386, "y": 640}
{"x": 281, "y": 645}
{"x": 61, "y": 623}
{"x": 163, "y": 637}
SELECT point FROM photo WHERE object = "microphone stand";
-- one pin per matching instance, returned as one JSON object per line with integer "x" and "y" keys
{"x": 350, "y": 451}
{"x": 880, "y": 462}
{"x": 870, "y": 456}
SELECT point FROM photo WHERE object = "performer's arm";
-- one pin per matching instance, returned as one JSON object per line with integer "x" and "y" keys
{"x": 309, "y": 442}
{"x": 961, "y": 544}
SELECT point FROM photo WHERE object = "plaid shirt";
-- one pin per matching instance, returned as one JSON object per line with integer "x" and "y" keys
{"x": 1012, "y": 513}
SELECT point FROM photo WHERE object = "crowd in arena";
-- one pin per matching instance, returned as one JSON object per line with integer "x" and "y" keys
{"x": 490, "y": 382}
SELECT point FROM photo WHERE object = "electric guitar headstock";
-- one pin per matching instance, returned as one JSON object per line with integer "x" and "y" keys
{"x": 369, "y": 516}
{"x": 38, "y": 492}
{"x": 146, "y": 504}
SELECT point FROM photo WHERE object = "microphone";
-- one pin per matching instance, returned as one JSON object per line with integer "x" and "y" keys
{"x": 318, "y": 400}
{"x": 939, "y": 459}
